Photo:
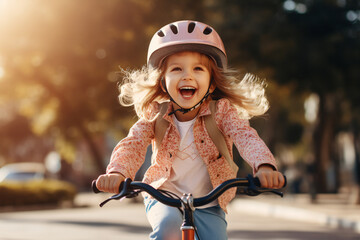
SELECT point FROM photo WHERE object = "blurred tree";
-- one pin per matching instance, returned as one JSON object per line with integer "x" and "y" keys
{"x": 59, "y": 63}
{"x": 60, "y": 60}
{"x": 314, "y": 45}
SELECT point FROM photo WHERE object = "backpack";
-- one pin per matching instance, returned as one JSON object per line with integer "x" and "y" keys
{"x": 215, "y": 134}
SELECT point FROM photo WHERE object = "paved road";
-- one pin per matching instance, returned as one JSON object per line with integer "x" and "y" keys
{"x": 127, "y": 221}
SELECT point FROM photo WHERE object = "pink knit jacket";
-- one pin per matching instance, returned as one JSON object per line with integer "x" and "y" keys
{"x": 129, "y": 154}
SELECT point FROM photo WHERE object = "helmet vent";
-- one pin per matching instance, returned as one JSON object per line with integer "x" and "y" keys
{"x": 207, "y": 31}
{"x": 160, "y": 33}
{"x": 191, "y": 27}
{"x": 174, "y": 29}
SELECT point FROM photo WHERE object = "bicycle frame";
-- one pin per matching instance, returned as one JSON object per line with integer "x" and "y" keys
{"x": 129, "y": 189}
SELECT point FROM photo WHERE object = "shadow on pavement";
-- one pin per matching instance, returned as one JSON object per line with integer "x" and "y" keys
{"x": 130, "y": 228}
{"x": 123, "y": 227}
{"x": 293, "y": 235}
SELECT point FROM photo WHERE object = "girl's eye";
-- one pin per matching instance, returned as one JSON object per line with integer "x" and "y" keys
{"x": 199, "y": 69}
{"x": 176, "y": 69}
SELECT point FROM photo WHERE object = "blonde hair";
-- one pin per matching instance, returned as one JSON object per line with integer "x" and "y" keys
{"x": 142, "y": 87}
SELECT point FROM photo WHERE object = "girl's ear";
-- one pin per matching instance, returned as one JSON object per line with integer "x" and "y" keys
{"x": 162, "y": 84}
{"x": 212, "y": 87}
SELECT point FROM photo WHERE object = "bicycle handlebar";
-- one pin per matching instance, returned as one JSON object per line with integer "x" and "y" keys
{"x": 250, "y": 186}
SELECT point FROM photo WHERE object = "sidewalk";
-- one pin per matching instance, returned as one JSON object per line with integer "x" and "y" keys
{"x": 330, "y": 210}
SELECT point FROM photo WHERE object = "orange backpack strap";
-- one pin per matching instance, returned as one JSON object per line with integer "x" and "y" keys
{"x": 217, "y": 137}
{"x": 161, "y": 124}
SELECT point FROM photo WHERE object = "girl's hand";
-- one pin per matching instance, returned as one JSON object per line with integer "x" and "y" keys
{"x": 109, "y": 182}
{"x": 269, "y": 178}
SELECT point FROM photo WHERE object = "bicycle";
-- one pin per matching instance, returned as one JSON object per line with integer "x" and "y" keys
{"x": 129, "y": 189}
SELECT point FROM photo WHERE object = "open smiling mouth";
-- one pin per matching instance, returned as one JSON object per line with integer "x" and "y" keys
{"x": 187, "y": 92}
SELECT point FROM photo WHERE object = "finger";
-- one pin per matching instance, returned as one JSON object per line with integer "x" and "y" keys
{"x": 115, "y": 186}
{"x": 276, "y": 181}
{"x": 97, "y": 184}
{"x": 263, "y": 181}
{"x": 100, "y": 183}
{"x": 107, "y": 185}
{"x": 112, "y": 185}
{"x": 270, "y": 180}
{"x": 115, "y": 183}
{"x": 281, "y": 180}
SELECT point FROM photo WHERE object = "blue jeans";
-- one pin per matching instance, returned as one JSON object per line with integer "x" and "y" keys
{"x": 166, "y": 221}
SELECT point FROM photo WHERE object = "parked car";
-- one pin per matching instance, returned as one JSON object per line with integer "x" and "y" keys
{"x": 25, "y": 171}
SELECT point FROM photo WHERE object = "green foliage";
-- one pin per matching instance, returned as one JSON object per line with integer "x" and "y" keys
{"x": 46, "y": 192}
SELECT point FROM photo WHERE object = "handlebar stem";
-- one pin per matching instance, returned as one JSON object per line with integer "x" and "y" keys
{"x": 187, "y": 204}
{"x": 188, "y": 199}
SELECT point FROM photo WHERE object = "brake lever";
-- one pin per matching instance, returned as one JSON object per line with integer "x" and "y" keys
{"x": 269, "y": 190}
{"x": 125, "y": 192}
{"x": 253, "y": 188}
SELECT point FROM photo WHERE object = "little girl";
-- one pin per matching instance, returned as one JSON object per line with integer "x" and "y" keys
{"x": 187, "y": 67}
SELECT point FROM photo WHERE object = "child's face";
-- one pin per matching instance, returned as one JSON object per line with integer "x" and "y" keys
{"x": 187, "y": 77}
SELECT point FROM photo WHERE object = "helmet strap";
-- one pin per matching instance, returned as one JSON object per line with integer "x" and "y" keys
{"x": 186, "y": 110}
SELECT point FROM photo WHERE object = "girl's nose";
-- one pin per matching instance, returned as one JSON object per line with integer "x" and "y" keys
{"x": 187, "y": 75}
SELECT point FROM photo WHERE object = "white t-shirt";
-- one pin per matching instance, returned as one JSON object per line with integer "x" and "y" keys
{"x": 188, "y": 173}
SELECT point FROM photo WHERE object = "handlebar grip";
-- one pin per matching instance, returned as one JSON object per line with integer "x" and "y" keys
{"x": 285, "y": 181}
{"x": 94, "y": 188}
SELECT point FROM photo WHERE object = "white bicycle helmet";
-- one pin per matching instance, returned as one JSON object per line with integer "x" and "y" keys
{"x": 186, "y": 35}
